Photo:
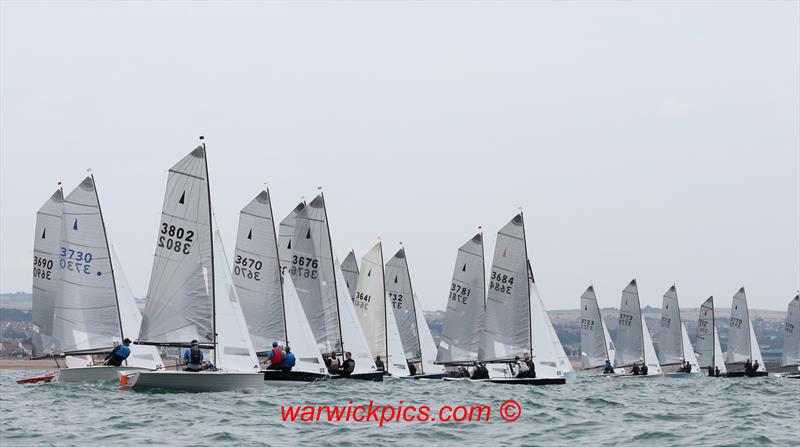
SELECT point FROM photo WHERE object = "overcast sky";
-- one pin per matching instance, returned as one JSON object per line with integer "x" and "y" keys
{"x": 652, "y": 140}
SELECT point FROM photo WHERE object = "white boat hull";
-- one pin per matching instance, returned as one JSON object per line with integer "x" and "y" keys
{"x": 193, "y": 381}
{"x": 100, "y": 373}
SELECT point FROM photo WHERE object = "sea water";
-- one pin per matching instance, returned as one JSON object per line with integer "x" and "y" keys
{"x": 591, "y": 410}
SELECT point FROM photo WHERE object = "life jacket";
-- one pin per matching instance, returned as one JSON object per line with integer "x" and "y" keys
{"x": 335, "y": 363}
{"x": 122, "y": 352}
{"x": 195, "y": 356}
{"x": 277, "y": 356}
{"x": 289, "y": 359}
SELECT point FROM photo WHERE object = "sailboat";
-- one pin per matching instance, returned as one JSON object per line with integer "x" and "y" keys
{"x": 466, "y": 307}
{"x": 79, "y": 308}
{"x": 191, "y": 294}
{"x": 510, "y": 320}
{"x": 377, "y": 315}
{"x": 596, "y": 344}
{"x": 270, "y": 304}
{"x": 350, "y": 270}
{"x": 549, "y": 355}
{"x": 307, "y": 256}
{"x": 674, "y": 347}
{"x": 791, "y": 340}
{"x": 742, "y": 343}
{"x": 416, "y": 338}
{"x": 707, "y": 347}
{"x": 634, "y": 345}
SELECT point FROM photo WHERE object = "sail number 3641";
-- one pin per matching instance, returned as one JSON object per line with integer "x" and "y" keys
{"x": 175, "y": 238}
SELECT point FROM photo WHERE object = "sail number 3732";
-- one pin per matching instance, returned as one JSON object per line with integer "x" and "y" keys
{"x": 175, "y": 238}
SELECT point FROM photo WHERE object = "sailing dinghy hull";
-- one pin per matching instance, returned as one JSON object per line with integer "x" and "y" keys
{"x": 277, "y": 377}
{"x": 745, "y": 374}
{"x": 528, "y": 381}
{"x": 370, "y": 376}
{"x": 438, "y": 376}
{"x": 192, "y": 381}
{"x": 94, "y": 373}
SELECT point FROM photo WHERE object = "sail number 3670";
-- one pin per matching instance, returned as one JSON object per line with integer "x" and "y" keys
{"x": 175, "y": 238}
{"x": 247, "y": 268}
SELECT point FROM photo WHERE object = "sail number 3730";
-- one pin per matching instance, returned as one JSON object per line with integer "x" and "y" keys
{"x": 175, "y": 238}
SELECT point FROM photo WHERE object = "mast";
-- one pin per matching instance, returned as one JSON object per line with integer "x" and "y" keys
{"x": 713, "y": 335}
{"x": 110, "y": 263}
{"x": 385, "y": 311}
{"x": 283, "y": 308}
{"x": 211, "y": 237}
{"x": 641, "y": 316}
{"x": 749, "y": 324}
{"x": 528, "y": 285}
{"x": 335, "y": 288}
{"x": 680, "y": 323}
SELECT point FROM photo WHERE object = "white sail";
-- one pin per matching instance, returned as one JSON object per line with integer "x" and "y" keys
{"x": 396, "y": 363}
{"x": 650, "y": 357}
{"x": 401, "y": 296}
{"x": 507, "y": 327}
{"x": 370, "y": 301}
{"x": 46, "y": 248}
{"x": 707, "y": 336}
{"x": 630, "y": 338}
{"x": 739, "y": 346}
{"x": 427, "y": 345}
{"x": 312, "y": 270}
{"x": 670, "y": 340}
{"x": 545, "y": 356}
{"x": 791, "y": 334}
{"x": 350, "y": 270}
{"x": 353, "y": 339}
{"x": 688, "y": 351}
{"x": 466, "y": 306}
{"x": 299, "y": 334}
{"x": 562, "y": 360}
{"x": 142, "y": 356}
{"x": 256, "y": 274}
{"x": 612, "y": 350}
{"x": 235, "y": 350}
{"x": 86, "y": 317}
{"x": 719, "y": 360}
{"x": 755, "y": 350}
{"x": 594, "y": 352}
{"x": 285, "y": 236}
{"x": 180, "y": 298}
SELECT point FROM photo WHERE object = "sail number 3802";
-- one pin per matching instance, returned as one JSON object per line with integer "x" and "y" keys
{"x": 175, "y": 238}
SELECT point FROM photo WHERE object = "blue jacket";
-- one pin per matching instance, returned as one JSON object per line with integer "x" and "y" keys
{"x": 186, "y": 356}
{"x": 288, "y": 359}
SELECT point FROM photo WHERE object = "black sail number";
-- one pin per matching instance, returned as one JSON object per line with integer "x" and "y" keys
{"x": 176, "y": 239}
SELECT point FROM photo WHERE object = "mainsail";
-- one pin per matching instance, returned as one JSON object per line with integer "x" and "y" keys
{"x": 791, "y": 334}
{"x": 312, "y": 269}
{"x": 594, "y": 350}
{"x": 180, "y": 299}
{"x": 256, "y": 274}
{"x": 86, "y": 317}
{"x": 370, "y": 301}
{"x": 466, "y": 306}
{"x": 670, "y": 340}
{"x": 709, "y": 353}
{"x": 507, "y": 327}
{"x": 401, "y": 296}
{"x": 350, "y": 270}
{"x": 352, "y": 335}
{"x": 46, "y": 248}
{"x": 285, "y": 236}
{"x": 739, "y": 347}
{"x": 630, "y": 338}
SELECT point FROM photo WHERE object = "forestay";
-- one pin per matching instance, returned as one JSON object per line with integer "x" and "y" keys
{"x": 739, "y": 335}
{"x": 350, "y": 271}
{"x": 791, "y": 334}
{"x": 395, "y": 362}
{"x": 463, "y": 319}
{"x": 85, "y": 312}
{"x": 670, "y": 340}
{"x": 630, "y": 335}
{"x": 370, "y": 301}
{"x": 401, "y": 296}
{"x": 593, "y": 337}
{"x": 507, "y": 330}
{"x": 312, "y": 270}
{"x": 256, "y": 274}
{"x": 46, "y": 248}
{"x": 180, "y": 297}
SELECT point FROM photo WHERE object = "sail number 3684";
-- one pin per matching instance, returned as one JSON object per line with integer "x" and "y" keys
{"x": 175, "y": 238}
{"x": 501, "y": 283}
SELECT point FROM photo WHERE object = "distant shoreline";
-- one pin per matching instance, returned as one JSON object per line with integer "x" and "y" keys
{"x": 27, "y": 364}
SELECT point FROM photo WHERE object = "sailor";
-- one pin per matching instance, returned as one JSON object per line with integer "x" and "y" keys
{"x": 607, "y": 368}
{"x": 643, "y": 369}
{"x": 755, "y": 367}
{"x": 531, "y": 366}
{"x": 193, "y": 358}
{"x": 480, "y": 371}
{"x": 348, "y": 366}
{"x": 288, "y": 360}
{"x": 635, "y": 370}
{"x": 333, "y": 363}
{"x": 710, "y": 371}
{"x": 748, "y": 367}
{"x": 412, "y": 370}
{"x": 462, "y": 372}
{"x": 275, "y": 356}
{"x": 119, "y": 353}
{"x": 716, "y": 371}
{"x": 519, "y": 368}
{"x": 379, "y": 366}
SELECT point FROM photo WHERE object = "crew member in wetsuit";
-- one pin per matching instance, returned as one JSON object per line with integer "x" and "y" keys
{"x": 608, "y": 368}
{"x": 119, "y": 353}
{"x": 379, "y": 366}
{"x": 480, "y": 372}
{"x": 635, "y": 370}
{"x": 531, "y": 366}
{"x": 643, "y": 369}
{"x": 275, "y": 356}
{"x": 710, "y": 371}
{"x": 748, "y": 367}
{"x": 348, "y": 366}
{"x": 288, "y": 360}
{"x": 412, "y": 370}
{"x": 333, "y": 363}
{"x": 755, "y": 367}
{"x": 193, "y": 358}
{"x": 520, "y": 367}
{"x": 716, "y": 371}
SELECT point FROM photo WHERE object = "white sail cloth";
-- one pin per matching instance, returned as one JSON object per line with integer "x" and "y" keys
{"x": 400, "y": 295}
{"x": 670, "y": 339}
{"x": 791, "y": 334}
{"x": 707, "y": 348}
{"x": 742, "y": 343}
{"x": 300, "y": 337}
{"x": 370, "y": 301}
{"x": 594, "y": 341}
{"x": 353, "y": 339}
{"x": 427, "y": 345}
{"x": 46, "y": 249}
{"x": 350, "y": 270}
{"x": 630, "y": 340}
